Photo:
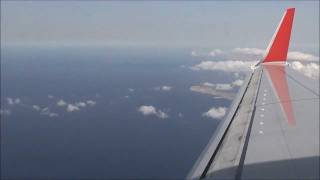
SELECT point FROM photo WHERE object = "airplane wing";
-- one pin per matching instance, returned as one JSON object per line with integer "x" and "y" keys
{"x": 272, "y": 128}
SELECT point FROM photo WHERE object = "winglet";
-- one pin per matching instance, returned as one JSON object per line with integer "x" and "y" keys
{"x": 278, "y": 47}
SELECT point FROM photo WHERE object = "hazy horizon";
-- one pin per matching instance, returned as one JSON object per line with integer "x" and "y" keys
{"x": 214, "y": 24}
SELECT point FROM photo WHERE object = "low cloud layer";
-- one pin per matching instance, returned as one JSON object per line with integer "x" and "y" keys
{"x": 299, "y": 56}
{"x": 251, "y": 51}
{"x": 166, "y": 88}
{"x": 13, "y": 101}
{"x": 216, "y": 113}
{"x": 61, "y": 103}
{"x": 227, "y": 66}
{"x": 36, "y": 107}
{"x": 45, "y": 111}
{"x": 215, "y": 52}
{"x": 240, "y": 60}
{"x": 163, "y": 88}
{"x": 211, "y": 53}
{"x": 212, "y": 91}
{"x": 224, "y": 87}
{"x": 71, "y": 108}
{"x": 91, "y": 102}
{"x": 310, "y": 70}
{"x": 81, "y": 104}
{"x": 237, "y": 82}
{"x": 292, "y": 55}
{"x": 148, "y": 110}
{"x": 219, "y": 90}
{"x": 77, "y": 106}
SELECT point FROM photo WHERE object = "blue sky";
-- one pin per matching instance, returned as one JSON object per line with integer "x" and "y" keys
{"x": 168, "y": 24}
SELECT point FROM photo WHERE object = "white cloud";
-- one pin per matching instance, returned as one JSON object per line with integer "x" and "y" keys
{"x": 212, "y": 91}
{"x": 252, "y": 51}
{"x": 76, "y": 106}
{"x": 36, "y": 107}
{"x": 292, "y": 55}
{"x": 151, "y": 110}
{"x": 228, "y": 66}
{"x": 215, "y": 52}
{"x": 310, "y": 70}
{"x": 299, "y": 56}
{"x": 180, "y": 115}
{"x": 147, "y": 110}
{"x": 50, "y": 96}
{"x": 10, "y": 101}
{"x": 240, "y": 60}
{"x": 162, "y": 114}
{"x": 61, "y": 102}
{"x": 204, "y": 53}
{"x": 71, "y": 108}
{"x": 163, "y": 88}
{"x": 226, "y": 87}
{"x": 237, "y": 82}
{"x": 81, "y": 104}
{"x": 5, "y": 112}
{"x": 131, "y": 90}
{"x": 166, "y": 88}
{"x": 46, "y": 111}
{"x": 216, "y": 113}
{"x": 208, "y": 84}
{"x": 13, "y": 101}
{"x": 91, "y": 102}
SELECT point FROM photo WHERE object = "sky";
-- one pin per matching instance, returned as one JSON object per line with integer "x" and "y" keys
{"x": 215, "y": 24}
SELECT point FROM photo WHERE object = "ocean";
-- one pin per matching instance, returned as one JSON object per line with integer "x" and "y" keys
{"x": 98, "y": 129}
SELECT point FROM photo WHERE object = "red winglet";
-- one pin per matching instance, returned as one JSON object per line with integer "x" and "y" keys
{"x": 278, "y": 47}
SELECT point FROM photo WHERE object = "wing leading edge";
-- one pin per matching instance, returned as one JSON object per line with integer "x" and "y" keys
{"x": 272, "y": 128}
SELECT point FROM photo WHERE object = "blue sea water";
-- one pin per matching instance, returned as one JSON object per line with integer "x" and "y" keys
{"x": 111, "y": 139}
